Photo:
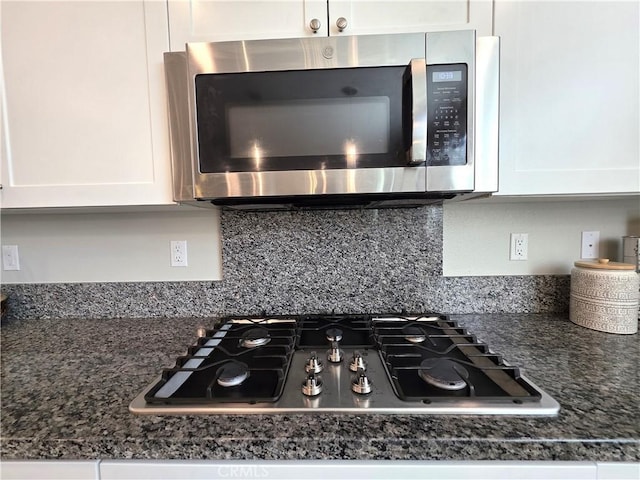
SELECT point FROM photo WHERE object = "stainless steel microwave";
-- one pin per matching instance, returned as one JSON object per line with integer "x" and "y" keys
{"x": 375, "y": 120}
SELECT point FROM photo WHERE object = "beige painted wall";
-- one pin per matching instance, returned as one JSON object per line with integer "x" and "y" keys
{"x": 112, "y": 247}
{"x": 134, "y": 246}
{"x": 477, "y": 233}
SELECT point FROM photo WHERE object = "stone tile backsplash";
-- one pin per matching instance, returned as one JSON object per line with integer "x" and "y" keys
{"x": 309, "y": 262}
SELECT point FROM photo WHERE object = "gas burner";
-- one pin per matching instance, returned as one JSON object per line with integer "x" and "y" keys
{"x": 232, "y": 374}
{"x": 443, "y": 373}
{"x": 201, "y": 332}
{"x": 334, "y": 334}
{"x": 255, "y": 337}
{"x": 414, "y": 334}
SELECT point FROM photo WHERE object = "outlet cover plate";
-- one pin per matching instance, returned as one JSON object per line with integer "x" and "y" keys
{"x": 519, "y": 246}
{"x": 590, "y": 245}
{"x": 179, "y": 253}
{"x": 10, "y": 257}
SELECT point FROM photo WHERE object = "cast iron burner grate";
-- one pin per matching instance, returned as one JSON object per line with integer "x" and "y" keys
{"x": 237, "y": 362}
{"x": 433, "y": 359}
{"x": 354, "y": 330}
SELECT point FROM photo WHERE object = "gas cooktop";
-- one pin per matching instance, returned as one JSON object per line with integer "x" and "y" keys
{"x": 391, "y": 363}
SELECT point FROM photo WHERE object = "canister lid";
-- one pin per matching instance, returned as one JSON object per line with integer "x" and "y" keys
{"x": 604, "y": 264}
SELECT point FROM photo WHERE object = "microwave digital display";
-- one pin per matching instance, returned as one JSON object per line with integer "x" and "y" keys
{"x": 449, "y": 76}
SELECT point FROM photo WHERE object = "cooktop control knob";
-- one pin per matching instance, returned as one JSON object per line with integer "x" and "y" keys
{"x": 314, "y": 364}
{"x": 361, "y": 383}
{"x": 335, "y": 354}
{"x": 312, "y": 386}
{"x": 357, "y": 362}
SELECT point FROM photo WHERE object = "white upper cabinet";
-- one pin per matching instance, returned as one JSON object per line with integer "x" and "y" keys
{"x": 84, "y": 104}
{"x": 569, "y": 97}
{"x": 384, "y": 16}
{"x": 222, "y": 20}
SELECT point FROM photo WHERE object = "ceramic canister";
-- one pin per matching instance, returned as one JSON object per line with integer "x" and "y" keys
{"x": 604, "y": 296}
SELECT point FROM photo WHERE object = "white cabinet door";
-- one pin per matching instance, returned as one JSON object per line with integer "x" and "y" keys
{"x": 222, "y": 20}
{"x": 569, "y": 97}
{"x": 618, "y": 471}
{"x": 388, "y": 16}
{"x": 84, "y": 105}
{"x": 225, "y": 20}
{"x": 344, "y": 469}
{"x": 49, "y": 470}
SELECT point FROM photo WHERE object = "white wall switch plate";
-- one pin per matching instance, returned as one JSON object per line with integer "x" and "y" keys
{"x": 590, "y": 245}
{"x": 10, "y": 257}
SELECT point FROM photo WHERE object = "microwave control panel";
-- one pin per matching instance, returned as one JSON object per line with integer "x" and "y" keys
{"x": 447, "y": 88}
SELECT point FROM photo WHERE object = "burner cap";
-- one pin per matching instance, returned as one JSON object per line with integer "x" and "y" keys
{"x": 414, "y": 334}
{"x": 255, "y": 337}
{"x": 443, "y": 373}
{"x": 334, "y": 334}
{"x": 201, "y": 331}
{"x": 232, "y": 374}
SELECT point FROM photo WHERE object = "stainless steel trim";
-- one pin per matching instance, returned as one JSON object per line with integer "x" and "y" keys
{"x": 487, "y": 113}
{"x": 304, "y": 53}
{"x": 175, "y": 67}
{"x": 418, "y": 152}
{"x": 314, "y": 182}
{"x": 455, "y": 47}
{"x": 336, "y": 380}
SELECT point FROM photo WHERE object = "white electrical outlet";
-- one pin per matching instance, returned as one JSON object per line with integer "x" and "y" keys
{"x": 519, "y": 246}
{"x": 590, "y": 245}
{"x": 178, "y": 253}
{"x": 10, "y": 257}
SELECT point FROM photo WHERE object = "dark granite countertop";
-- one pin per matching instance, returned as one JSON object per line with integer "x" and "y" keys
{"x": 66, "y": 387}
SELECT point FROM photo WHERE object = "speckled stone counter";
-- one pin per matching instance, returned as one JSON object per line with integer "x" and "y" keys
{"x": 66, "y": 386}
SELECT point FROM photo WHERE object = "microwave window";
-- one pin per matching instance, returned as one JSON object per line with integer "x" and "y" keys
{"x": 300, "y": 128}
{"x": 302, "y": 119}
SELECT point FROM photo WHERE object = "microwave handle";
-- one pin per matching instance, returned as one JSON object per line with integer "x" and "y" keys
{"x": 417, "y": 153}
